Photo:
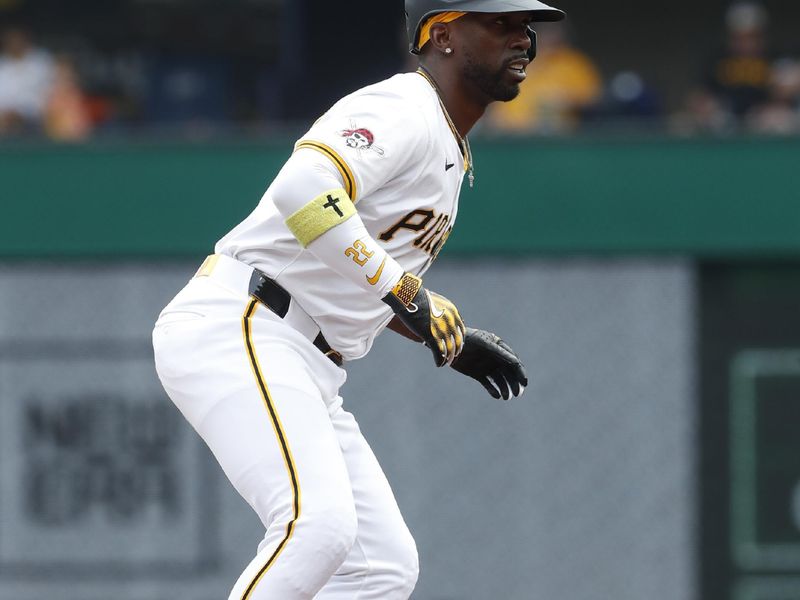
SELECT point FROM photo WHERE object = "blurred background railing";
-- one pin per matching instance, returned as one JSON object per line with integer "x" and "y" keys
{"x": 634, "y": 232}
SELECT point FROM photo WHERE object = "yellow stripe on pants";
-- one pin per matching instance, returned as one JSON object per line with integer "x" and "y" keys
{"x": 285, "y": 451}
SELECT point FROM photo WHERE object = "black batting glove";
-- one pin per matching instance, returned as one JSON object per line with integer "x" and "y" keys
{"x": 430, "y": 316}
{"x": 490, "y": 361}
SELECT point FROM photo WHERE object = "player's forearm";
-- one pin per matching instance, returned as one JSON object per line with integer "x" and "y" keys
{"x": 323, "y": 218}
{"x": 349, "y": 250}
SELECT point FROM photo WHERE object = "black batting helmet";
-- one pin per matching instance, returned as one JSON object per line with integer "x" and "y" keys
{"x": 419, "y": 11}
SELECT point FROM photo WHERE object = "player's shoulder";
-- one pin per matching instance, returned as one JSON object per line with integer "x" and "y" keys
{"x": 408, "y": 87}
{"x": 405, "y": 96}
{"x": 390, "y": 119}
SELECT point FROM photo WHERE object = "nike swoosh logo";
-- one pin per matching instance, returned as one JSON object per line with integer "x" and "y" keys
{"x": 374, "y": 279}
{"x": 436, "y": 314}
{"x": 448, "y": 166}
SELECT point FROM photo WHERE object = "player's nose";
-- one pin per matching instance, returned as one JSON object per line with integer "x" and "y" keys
{"x": 522, "y": 40}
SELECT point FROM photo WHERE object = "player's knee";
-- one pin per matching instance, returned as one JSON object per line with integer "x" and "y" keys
{"x": 321, "y": 538}
{"x": 402, "y": 575}
{"x": 332, "y": 528}
{"x": 399, "y": 568}
{"x": 408, "y": 566}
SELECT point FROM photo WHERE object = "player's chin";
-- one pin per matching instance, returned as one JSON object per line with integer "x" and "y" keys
{"x": 506, "y": 87}
{"x": 506, "y": 92}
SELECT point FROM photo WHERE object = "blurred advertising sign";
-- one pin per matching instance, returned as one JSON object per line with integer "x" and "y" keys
{"x": 749, "y": 471}
{"x": 98, "y": 475}
{"x": 765, "y": 473}
{"x": 768, "y": 588}
{"x": 765, "y": 466}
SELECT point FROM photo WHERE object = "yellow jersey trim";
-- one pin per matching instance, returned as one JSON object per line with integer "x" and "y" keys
{"x": 284, "y": 446}
{"x": 323, "y": 213}
{"x": 340, "y": 164}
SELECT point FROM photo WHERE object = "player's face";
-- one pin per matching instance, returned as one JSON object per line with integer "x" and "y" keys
{"x": 495, "y": 52}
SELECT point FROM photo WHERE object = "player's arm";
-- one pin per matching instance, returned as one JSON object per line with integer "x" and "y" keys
{"x": 309, "y": 194}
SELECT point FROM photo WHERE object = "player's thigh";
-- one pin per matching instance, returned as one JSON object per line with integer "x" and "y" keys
{"x": 383, "y": 535}
{"x": 265, "y": 421}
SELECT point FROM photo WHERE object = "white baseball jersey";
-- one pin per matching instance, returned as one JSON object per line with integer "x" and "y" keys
{"x": 402, "y": 165}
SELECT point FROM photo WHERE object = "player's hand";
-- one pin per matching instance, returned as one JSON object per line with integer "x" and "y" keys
{"x": 430, "y": 316}
{"x": 490, "y": 361}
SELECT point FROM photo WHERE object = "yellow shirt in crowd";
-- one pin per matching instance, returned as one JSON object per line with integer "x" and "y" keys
{"x": 558, "y": 83}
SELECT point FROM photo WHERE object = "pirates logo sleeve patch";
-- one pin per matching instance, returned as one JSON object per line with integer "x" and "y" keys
{"x": 361, "y": 140}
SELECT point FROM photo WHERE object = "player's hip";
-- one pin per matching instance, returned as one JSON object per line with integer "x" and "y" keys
{"x": 225, "y": 288}
{"x": 209, "y": 333}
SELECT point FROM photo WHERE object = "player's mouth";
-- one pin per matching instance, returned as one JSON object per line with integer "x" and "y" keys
{"x": 517, "y": 68}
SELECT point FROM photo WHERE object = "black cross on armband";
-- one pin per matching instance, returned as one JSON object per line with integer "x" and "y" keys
{"x": 333, "y": 203}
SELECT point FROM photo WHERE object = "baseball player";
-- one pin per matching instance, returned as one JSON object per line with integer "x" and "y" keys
{"x": 252, "y": 349}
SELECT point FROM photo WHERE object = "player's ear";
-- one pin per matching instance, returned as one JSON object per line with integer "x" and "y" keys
{"x": 441, "y": 39}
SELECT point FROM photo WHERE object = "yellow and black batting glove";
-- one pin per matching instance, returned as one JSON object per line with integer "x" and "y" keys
{"x": 492, "y": 363}
{"x": 430, "y": 316}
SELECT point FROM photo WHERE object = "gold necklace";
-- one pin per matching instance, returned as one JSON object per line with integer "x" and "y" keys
{"x": 463, "y": 142}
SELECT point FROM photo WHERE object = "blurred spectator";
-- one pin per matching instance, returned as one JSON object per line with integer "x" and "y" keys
{"x": 562, "y": 82}
{"x": 739, "y": 77}
{"x": 627, "y": 99}
{"x": 114, "y": 84}
{"x": 26, "y": 74}
{"x": 67, "y": 116}
{"x": 737, "y": 82}
{"x": 780, "y": 114}
{"x": 702, "y": 113}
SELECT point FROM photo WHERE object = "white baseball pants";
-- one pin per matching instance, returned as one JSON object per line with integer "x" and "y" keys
{"x": 266, "y": 402}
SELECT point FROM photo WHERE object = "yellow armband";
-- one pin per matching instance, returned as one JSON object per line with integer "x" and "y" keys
{"x": 323, "y": 213}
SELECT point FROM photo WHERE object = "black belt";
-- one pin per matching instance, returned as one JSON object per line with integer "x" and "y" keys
{"x": 277, "y": 299}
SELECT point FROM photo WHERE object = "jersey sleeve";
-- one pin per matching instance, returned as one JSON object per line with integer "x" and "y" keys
{"x": 370, "y": 139}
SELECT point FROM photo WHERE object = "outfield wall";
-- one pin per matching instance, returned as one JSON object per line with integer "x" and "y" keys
{"x": 581, "y": 490}
{"x": 738, "y": 197}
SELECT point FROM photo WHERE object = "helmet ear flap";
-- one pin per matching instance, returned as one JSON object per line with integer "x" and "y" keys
{"x": 532, "y": 49}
